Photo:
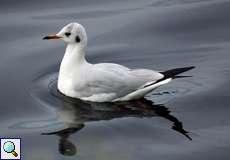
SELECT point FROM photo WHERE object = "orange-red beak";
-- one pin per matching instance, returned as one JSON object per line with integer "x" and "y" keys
{"x": 52, "y": 37}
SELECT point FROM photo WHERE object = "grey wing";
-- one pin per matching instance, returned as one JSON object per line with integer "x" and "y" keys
{"x": 117, "y": 79}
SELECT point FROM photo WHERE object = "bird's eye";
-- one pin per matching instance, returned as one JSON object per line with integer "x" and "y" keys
{"x": 67, "y": 34}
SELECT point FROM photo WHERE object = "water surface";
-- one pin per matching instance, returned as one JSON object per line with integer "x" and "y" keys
{"x": 154, "y": 34}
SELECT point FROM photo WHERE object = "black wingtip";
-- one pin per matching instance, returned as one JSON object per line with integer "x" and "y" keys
{"x": 173, "y": 72}
{"x": 189, "y": 68}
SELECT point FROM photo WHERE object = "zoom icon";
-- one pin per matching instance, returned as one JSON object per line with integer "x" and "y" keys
{"x": 10, "y": 148}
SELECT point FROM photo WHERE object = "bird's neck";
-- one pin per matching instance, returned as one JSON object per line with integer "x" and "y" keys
{"x": 75, "y": 53}
{"x": 74, "y": 57}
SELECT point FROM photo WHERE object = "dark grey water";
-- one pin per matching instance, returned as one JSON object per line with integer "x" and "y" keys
{"x": 155, "y": 34}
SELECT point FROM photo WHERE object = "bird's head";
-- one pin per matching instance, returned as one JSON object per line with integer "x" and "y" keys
{"x": 72, "y": 33}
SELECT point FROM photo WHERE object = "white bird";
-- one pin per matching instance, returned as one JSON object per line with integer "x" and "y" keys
{"x": 102, "y": 82}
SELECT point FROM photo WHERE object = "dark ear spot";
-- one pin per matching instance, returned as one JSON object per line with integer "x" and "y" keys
{"x": 77, "y": 39}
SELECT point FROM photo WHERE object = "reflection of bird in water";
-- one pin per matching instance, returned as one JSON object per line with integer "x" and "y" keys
{"x": 75, "y": 113}
{"x": 65, "y": 146}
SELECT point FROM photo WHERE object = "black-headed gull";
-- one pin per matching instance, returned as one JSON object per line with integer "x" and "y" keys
{"x": 102, "y": 82}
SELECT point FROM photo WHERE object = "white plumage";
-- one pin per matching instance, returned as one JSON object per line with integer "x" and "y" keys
{"x": 103, "y": 82}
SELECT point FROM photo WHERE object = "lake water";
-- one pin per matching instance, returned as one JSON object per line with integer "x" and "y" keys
{"x": 185, "y": 119}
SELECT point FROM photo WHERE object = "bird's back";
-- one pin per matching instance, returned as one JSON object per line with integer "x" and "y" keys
{"x": 108, "y": 81}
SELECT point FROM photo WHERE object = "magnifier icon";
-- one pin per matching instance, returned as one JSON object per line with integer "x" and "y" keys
{"x": 9, "y": 147}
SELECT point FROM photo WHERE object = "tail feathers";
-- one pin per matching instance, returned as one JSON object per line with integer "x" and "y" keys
{"x": 173, "y": 72}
